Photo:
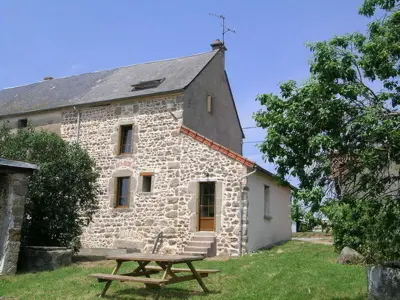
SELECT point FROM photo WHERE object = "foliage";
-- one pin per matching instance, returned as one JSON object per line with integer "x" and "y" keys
{"x": 371, "y": 227}
{"x": 304, "y": 217}
{"x": 339, "y": 132}
{"x": 62, "y": 193}
{"x": 297, "y": 212}
{"x": 296, "y": 270}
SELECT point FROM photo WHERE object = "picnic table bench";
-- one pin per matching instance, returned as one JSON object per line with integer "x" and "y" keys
{"x": 164, "y": 264}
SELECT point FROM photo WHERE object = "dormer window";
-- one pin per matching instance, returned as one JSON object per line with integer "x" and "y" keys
{"x": 142, "y": 85}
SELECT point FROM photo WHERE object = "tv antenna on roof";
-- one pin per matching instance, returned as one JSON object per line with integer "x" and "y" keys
{"x": 224, "y": 28}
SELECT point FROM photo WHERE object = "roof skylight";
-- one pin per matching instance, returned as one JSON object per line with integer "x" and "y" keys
{"x": 142, "y": 85}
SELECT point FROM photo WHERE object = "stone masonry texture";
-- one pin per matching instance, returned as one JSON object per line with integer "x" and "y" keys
{"x": 13, "y": 190}
{"x": 177, "y": 162}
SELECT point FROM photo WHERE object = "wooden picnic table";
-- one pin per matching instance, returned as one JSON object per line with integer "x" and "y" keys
{"x": 164, "y": 263}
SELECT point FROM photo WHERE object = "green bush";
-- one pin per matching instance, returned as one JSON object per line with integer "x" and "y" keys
{"x": 62, "y": 194}
{"x": 371, "y": 227}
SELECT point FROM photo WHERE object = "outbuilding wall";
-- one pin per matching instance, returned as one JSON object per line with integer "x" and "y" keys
{"x": 264, "y": 230}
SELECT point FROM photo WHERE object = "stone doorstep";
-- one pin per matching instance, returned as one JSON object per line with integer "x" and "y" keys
{"x": 205, "y": 244}
{"x": 204, "y": 233}
{"x": 203, "y": 239}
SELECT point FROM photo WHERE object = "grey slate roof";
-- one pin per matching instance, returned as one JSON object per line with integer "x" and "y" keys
{"x": 103, "y": 85}
{"x": 17, "y": 164}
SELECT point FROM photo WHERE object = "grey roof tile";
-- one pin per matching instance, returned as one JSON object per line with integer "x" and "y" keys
{"x": 17, "y": 164}
{"x": 103, "y": 85}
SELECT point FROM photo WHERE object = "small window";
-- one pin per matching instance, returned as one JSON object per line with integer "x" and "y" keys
{"x": 126, "y": 139}
{"x": 123, "y": 187}
{"x": 209, "y": 104}
{"x": 267, "y": 211}
{"x": 147, "y": 179}
{"x": 22, "y": 123}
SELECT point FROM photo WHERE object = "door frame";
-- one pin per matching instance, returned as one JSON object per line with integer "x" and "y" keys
{"x": 199, "y": 203}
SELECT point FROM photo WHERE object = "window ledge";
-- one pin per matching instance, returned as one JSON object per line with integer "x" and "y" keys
{"x": 268, "y": 218}
{"x": 146, "y": 193}
{"x": 123, "y": 209}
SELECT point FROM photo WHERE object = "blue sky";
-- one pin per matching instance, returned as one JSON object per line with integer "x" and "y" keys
{"x": 61, "y": 38}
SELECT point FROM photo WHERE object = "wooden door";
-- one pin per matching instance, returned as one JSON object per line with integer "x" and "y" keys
{"x": 207, "y": 206}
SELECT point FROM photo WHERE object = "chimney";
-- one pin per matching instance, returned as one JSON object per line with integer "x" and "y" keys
{"x": 48, "y": 78}
{"x": 217, "y": 44}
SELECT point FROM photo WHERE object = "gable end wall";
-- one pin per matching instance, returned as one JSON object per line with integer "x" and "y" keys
{"x": 222, "y": 125}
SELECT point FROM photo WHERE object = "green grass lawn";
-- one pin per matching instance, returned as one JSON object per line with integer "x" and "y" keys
{"x": 295, "y": 270}
{"x": 309, "y": 234}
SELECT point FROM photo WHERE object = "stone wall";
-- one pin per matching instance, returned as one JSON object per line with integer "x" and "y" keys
{"x": 40, "y": 258}
{"x": 177, "y": 162}
{"x": 201, "y": 163}
{"x": 156, "y": 148}
{"x": 13, "y": 190}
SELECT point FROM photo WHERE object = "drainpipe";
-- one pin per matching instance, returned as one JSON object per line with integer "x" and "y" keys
{"x": 78, "y": 121}
{"x": 241, "y": 210}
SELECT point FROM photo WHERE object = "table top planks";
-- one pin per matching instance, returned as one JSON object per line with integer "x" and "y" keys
{"x": 155, "y": 257}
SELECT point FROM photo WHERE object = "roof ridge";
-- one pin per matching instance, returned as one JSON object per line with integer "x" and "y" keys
{"x": 218, "y": 147}
{"x": 111, "y": 69}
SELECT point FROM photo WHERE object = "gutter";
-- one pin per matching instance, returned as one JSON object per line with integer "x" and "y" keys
{"x": 241, "y": 210}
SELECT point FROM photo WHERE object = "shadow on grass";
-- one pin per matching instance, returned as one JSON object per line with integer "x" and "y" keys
{"x": 360, "y": 297}
{"x": 164, "y": 293}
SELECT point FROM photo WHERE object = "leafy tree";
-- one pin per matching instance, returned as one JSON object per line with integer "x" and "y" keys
{"x": 305, "y": 218}
{"x": 339, "y": 132}
{"x": 62, "y": 194}
{"x": 297, "y": 212}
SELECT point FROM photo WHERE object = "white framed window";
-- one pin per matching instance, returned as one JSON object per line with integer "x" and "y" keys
{"x": 267, "y": 203}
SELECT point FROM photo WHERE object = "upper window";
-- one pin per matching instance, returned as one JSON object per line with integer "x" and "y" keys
{"x": 267, "y": 208}
{"x": 126, "y": 139}
{"x": 22, "y": 123}
{"x": 123, "y": 187}
{"x": 209, "y": 104}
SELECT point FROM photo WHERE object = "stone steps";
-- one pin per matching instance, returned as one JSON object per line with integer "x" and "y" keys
{"x": 203, "y": 250}
{"x": 206, "y": 244}
{"x": 193, "y": 253}
{"x": 205, "y": 233}
{"x": 203, "y": 239}
{"x": 202, "y": 243}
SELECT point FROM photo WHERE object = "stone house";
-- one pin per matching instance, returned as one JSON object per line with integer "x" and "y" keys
{"x": 167, "y": 140}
